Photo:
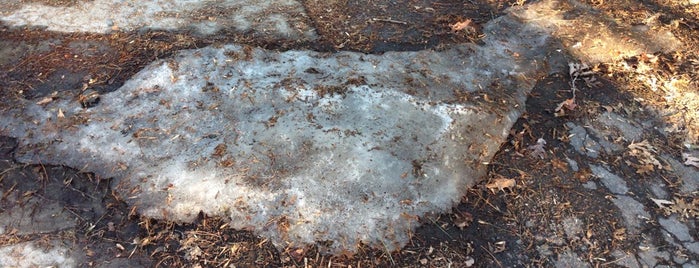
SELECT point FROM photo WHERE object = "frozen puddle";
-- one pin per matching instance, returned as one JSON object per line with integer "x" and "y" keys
{"x": 299, "y": 146}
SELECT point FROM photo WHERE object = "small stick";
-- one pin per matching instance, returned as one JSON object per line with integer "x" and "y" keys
{"x": 389, "y": 21}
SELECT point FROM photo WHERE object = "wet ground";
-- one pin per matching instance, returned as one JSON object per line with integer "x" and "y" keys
{"x": 598, "y": 172}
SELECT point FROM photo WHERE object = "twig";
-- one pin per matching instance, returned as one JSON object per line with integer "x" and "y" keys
{"x": 389, "y": 21}
{"x": 440, "y": 228}
{"x": 393, "y": 263}
{"x": 493, "y": 256}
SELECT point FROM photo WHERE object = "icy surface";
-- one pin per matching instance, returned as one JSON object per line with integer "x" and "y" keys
{"x": 298, "y": 146}
{"x": 270, "y": 18}
{"x": 32, "y": 254}
{"x": 631, "y": 210}
{"x": 614, "y": 183}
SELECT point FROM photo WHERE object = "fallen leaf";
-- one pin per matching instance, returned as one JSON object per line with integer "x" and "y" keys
{"x": 644, "y": 152}
{"x": 559, "y": 164}
{"x": 643, "y": 169}
{"x": 583, "y": 175}
{"x": 44, "y": 101}
{"x": 469, "y": 262}
{"x": 500, "y": 184}
{"x": 569, "y": 104}
{"x": 690, "y": 160}
{"x": 48, "y": 98}
{"x": 463, "y": 219}
{"x": 662, "y": 203}
{"x": 538, "y": 148}
{"x": 499, "y": 246}
{"x": 576, "y": 70}
{"x": 620, "y": 234}
{"x": 685, "y": 209}
{"x": 193, "y": 253}
{"x": 298, "y": 254}
{"x": 461, "y": 25}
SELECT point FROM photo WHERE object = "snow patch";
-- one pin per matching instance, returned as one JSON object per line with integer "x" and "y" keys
{"x": 31, "y": 254}
{"x": 270, "y": 18}
{"x": 300, "y": 146}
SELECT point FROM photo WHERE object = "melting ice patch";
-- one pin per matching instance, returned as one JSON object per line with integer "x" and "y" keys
{"x": 268, "y": 18}
{"x": 299, "y": 146}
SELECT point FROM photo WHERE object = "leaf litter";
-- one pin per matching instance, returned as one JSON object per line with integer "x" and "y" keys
{"x": 645, "y": 153}
{"x": 679, "y": 206}
{"x": 576, "y": 71}
{"x": 690, "y": 160}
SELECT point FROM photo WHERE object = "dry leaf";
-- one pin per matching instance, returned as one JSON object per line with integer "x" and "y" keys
{"x": 298, "y": 254}
{"x": 60, "y": 114}
{"x": 469, "y": 261}
{"x": 662, "y": 203}
{"x": 461, "y": 25}
{"x": 48, "y": 98}
{"x": 463, "y": 219}
{"x": 569, "y": 104}
{"x": 678, "y": 206}
{"x": 685, "y": 209}
{"x": 500, "y": 184}
{"x": 559, "y": 164}
{"x": 499, "y": 246}
{"x": 583, "y": 175}
{"x": 45, "y": 100}
{"x": 690, "y": 160}
{"x": 644, "y": 152}
{"x": 538, "y": 148}
{"x": 592, "y": 82}
{"x": 643, "y": 169}
{"x": 620, "y": 234}
{"x": 576, "y": 70}
{"x": 193, "y": 253}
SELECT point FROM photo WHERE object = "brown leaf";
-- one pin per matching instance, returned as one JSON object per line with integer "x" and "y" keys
{"x": 463, "y": 219}
{"x": 297, "y": 254}
{"x": 690, "y": 160}
{"x": 44, "y": 101}
{"x": 461, "y": 25}
{"x": 569, "y": 104}
{"x": 559, "y": 164}
{"x": 620, "y": 234}
{"x": 500, "y": 184}
{"x": 644, "y": 168}
{"x": 583, "y": 175}
{"x": 499, "y": 246}
{"x": 538, "y": 148}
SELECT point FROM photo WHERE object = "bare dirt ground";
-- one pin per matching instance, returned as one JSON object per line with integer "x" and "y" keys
{"x": 609, "y": 187}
